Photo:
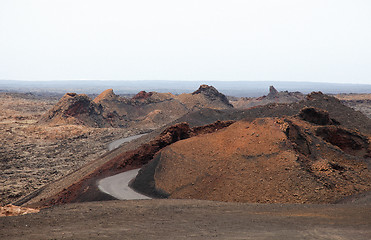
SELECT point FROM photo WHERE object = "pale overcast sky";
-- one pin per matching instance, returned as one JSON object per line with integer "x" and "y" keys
{"x": 283, "y": 40}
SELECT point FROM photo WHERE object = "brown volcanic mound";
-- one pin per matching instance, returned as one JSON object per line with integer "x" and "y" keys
{"x": 146, "y": 110}
{"x": 77, "y": 109}
{"x": 205, "y": 97}
{"x": 283, "y": 160}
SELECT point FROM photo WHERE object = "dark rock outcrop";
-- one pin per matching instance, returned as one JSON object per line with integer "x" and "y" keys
{"x": 272, "y": 92}
{"x": 348, "y": 141}
{"x": 316, "y": 116}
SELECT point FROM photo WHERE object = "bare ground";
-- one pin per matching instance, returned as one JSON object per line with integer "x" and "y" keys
{"x": 190, "y": 219}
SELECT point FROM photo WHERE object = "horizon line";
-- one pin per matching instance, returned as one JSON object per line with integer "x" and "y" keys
{"x": 129, "y": 80}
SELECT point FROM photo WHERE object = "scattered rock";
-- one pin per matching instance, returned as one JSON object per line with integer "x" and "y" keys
{"x": 11, "y": 210}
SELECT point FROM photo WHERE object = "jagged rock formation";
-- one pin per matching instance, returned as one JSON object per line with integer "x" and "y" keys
{"x": 146, "y": 110}
{"x": 273, "y": 97}
{"x": 282, "y": 160}
{"x": 272, "y": 92}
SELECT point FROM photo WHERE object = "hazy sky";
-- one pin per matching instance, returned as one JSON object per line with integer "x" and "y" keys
{"x": 291, "y": 40}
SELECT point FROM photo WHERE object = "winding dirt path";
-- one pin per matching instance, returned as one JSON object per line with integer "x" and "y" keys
{"x": 117, "y": 143}
{"x": 118, "y": 186}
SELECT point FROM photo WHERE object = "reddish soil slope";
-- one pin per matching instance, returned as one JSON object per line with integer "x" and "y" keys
{"x": 283, "y": 160}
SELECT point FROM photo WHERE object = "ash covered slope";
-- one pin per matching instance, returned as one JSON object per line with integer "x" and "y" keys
{"x": 145, "y": 110}
{"x": 283, "y": 160}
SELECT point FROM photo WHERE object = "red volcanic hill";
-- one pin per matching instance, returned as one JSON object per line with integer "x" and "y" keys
{"x": 144, "y": 110}
{"x": 303, "y": 159}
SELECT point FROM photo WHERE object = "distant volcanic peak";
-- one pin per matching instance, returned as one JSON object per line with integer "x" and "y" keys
{"x": 207, "y": 90}
{"x": 272, "y": 92}
{"x": 75, "y": 109}
{"x": 212, "y": 93}
{"x": 142, "y": 95}
{"x": 106, "y": 95}
{"x": 75, "y": 105}
{"x": 316, "y": 96}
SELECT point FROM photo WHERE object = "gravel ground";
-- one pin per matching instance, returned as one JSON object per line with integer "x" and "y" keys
{"x": 190, "y": 219}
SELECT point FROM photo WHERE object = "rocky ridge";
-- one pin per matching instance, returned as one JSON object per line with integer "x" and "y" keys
{"x": 146, "y": 110}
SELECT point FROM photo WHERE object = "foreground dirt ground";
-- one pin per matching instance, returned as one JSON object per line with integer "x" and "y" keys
{"x": 190, "y": 219}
